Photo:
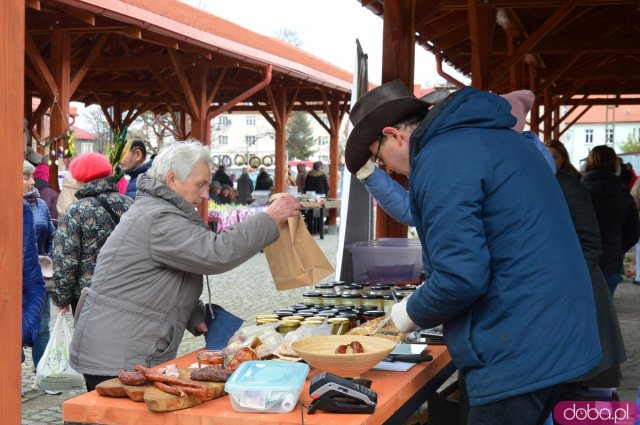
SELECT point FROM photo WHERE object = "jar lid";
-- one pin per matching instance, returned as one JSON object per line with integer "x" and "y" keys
{"x": 297, "y": 307}
{"x": 351, "y": 296}
{"x": 338, "y": 320}
{"x": 380, "y": 287}
{"x": 266, "y": 316}
{"x": 265, "y": 321}
{"x": 339, "y": 308}
{"x": 330, "y": 295}
{"x": 348, "y": 315}
{"x": 370, "y": 296}
{"x": 311, "y": 294}
{"x": 324, "y": 286}
{"x": 388, "y": 297}
{"x": 374, "y": 313}
{"x": 367, "y": 307}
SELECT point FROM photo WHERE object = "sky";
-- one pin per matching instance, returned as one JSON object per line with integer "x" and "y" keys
{"x": 327, "y": 29}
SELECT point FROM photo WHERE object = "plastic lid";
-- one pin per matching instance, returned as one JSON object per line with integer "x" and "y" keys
{"x": 267, "y": 375}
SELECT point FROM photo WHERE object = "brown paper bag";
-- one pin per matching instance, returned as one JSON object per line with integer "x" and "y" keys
{"x": 295, "y": 259}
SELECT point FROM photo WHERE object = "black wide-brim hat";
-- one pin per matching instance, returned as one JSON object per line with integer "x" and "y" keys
{"x": 381, "y": 107}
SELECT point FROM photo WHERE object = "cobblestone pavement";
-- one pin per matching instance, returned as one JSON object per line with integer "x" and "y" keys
{"x": 248, "y": 290}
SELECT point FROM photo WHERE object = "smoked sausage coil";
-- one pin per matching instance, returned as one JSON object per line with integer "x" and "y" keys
{"x": 132, "y": 378}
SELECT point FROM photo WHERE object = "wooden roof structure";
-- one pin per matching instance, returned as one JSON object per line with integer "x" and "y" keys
{"x": 568, "y": 52}
{"x": 168, "y": 57}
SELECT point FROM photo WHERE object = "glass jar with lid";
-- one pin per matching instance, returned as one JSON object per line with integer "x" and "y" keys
{"x": 311, "y": 298}
{"x": 352, "y": 317}
{"x": 326, "y": 314}
{"x": 261, "y": 317}
{"x": 338, "y": 287}
{"x": 331, "y": 299}
{"x": 325, "y": 288}
{"x": 387, "y": 303}
{"x": 340, "y": 325}
{"x": 405, "y": 291}
{"x": 287, "y": 326}
{"x": 371, "y": 315}
{"x": 353, "y": 300}
{"x": 372, "y": 299}
{"x": 380, "y": 289}
{"x": 353, "y": 288}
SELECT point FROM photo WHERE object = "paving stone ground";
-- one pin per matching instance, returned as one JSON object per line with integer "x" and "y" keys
{"x": 248, "y": 290}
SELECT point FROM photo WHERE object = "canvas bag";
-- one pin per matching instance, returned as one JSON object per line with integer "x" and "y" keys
{"x": 54, "y": 372}
{"x": 295, "y": 259}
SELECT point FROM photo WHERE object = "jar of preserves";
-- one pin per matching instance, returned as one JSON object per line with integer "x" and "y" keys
{"x": 340, "y": 325}
{"x": 330, "y": 300}
{"x": 326, "y": 314}
{"x": 287, "y": 326}
{"x": 261, "y": 317}
{"x": 354, "y": 288}
{"x": 352, "y": 300}
{"x": 405, "y": 291}
{"x": 371, "y": 315}
{"x": 352, "y": 317}
{"x": 380, "y": 290}
{"x": 312, "y": 298}
{"x": 266, "y": 321}
{"x": 387, "y": 303}
{"x": 372, "y": 299}
{"x": 338, "y": 287}
{"x": 325, "y": 288}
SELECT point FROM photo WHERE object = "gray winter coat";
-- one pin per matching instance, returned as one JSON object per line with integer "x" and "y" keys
{"x": 148, "y": 280}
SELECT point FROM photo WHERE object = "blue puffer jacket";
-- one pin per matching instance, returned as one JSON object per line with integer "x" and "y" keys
{"x": 132, "y": 186}
{"x": 506, "y": 273}
{"x": 33, "y": 291}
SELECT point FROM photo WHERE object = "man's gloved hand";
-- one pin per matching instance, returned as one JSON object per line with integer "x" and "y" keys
{"x": 366, "y": 170}
{"x": 400, "y": 318}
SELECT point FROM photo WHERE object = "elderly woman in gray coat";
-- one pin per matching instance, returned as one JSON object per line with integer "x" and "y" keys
{"x": 148, "y": 279}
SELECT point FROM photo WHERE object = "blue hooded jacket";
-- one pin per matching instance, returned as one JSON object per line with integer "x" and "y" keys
{"x": 33, "y": 292}
{"x": 507, "y": 277}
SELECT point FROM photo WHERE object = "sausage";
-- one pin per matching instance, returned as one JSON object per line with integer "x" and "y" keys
{"x": 342, "y": 349}
{"x": 132, "y": 378}
{"x": 156, "y": 377}
{"x": 356, "y": 347}
{"x": 240, "y": 356}
{"x": 211, "y": 374}
{"x": 183, "y": 391}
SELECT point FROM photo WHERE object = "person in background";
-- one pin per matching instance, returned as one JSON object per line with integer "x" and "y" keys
{"x": 33, "y": 291}
{"x": 84, "y": 228}
{"x": 561, "y": 157}
{"x": 147, "y": 284}
{"x": 221, "y": 176}
{"x": 232, "y": 177}
{"x": 290, "y": 181}
{"x": 226, "y": 195}
{"x": 68, "y": 188}
{"x": 302, "y": 175}
{"x": 615, "y": 208}
{"x": 214, "y": 191}
{"x": 133, "y": 164}
{"x": 316, "y": 180}
{"x": 635, "y": 194}
{"x": 44, "y": 231}
{"x": 245, "y": 187}
{"x": 264, "y": 180}
{"x": 41, "y": 178}
{"x": 476, "y": 215}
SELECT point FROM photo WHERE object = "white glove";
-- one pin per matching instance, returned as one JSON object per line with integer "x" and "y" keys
{"x": 367, "y": 169}
{"x": 400, "y": 318}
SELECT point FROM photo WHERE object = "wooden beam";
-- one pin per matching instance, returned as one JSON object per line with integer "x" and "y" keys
{"x": 61, "y": 71}
{"x": 534, "y": 39}
{"x": 168, "y": 88}
{"x": 184, "y": 83}
{"x": 40, "y": 65}
{"x": 481, "y": 33}
{"x": 33, "y": 4}
{"x": 82, "y": 15}
{"x": 105, "y": 111}
{"x": 215, "y": 88}
{"x": 553, "y": 76}
{"x": 87, "y": 62}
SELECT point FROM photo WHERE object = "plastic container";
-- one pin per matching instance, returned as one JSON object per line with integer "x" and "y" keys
{"x": 266, "y": 386}
{"x": 386, "y": 260}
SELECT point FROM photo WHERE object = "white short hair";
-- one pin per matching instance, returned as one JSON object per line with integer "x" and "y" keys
{"x": 27, "y": 168}
{"x": 181, "y": 158}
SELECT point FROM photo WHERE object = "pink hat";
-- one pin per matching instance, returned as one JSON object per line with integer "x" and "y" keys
{"x": 89, "y": 166}
{"x": 521, "y": 102}
{"x": 41, "y": 172}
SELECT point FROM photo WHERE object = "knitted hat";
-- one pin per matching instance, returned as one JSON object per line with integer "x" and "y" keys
{"x": 89, "y": 166}
{"x": 33, "y": 157}
{"x": 521, "y": 102}
{"x": 41, "y": 172}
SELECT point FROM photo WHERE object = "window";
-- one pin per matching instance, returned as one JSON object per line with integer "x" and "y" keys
{"x": 251, "y": 120}
{"x": 325, "y": 119}
{"x": 323, "y": 140}
{"x": 224, "y": 120}
{"x": 224, "y": 140}
{"x": 609, "y": 136}
{"x": 588, "y": 137}
{"x": 250, "y": 140}
{"x": 86, "y": 147}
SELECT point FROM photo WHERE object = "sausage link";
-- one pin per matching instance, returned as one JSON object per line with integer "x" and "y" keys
{"x": 132, "y": 378}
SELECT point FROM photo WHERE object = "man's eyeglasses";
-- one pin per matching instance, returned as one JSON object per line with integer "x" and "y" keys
{"x": 376, "y": 158}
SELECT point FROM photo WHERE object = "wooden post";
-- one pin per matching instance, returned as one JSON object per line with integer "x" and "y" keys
{"x": 12, "y": 29}
{"x": 397, "y": 63}
{"x": 281, "y": 139}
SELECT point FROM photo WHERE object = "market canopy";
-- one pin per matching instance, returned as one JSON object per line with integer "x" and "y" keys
{"x": 167, "y": 57}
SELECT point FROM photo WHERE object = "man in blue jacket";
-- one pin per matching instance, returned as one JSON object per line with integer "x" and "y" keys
{"x": 502, "y": 256}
